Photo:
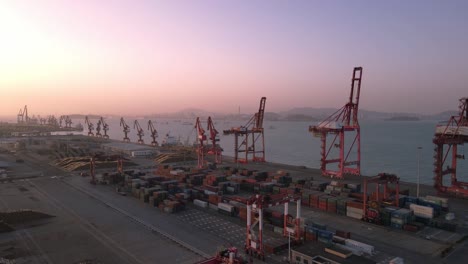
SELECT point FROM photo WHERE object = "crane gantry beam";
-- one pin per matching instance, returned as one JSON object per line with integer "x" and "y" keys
{"x": 447, "y": 139}
{"x": 257, "y": 203}
{"x": 338, "y": 125}
{"x": 252, "y": 137}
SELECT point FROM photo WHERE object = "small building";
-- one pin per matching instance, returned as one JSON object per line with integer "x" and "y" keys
{"x": 142, "y": 153}
{"x": 130, "y": 149}
{"x": 316, "y": 253}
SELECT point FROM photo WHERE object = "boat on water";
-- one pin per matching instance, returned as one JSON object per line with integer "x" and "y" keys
{"x": 170, "y": 140}
{"x": 187, "y": 123}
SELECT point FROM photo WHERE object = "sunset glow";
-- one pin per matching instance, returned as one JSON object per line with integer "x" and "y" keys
{"x": 144, "y": 57}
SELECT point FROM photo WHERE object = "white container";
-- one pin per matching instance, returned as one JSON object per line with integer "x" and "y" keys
{"x": 437, "y": 200}
{"x": 354, "y": 215}
{"x": 176, "y": 172}
{"x": 422, "y": 211}
{"x": 226, "y": 207}
{"x": 366, "y": 248}
{"x": 396, "y": 260}
{"x": 354, "y": 210}
{"x": 200, "y": 203}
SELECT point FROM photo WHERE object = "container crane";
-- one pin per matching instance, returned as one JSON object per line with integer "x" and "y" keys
{"x": 447, "y": 139}
{"x": 256, "y": 204}
{"x": 214, "y": 149}
{"x": 61, "y": 119}
{"x": 105, "y": 127}
{"x": 42, "y": 121}
{"x": 154, "y": 133}
{"x": 68, "y": 122}
{"x": 126, "y": 129}
{"x": 371, "y": 207}
{"x": 52, "y": 121}
{"x": 139, "y": 130}
{"x": 339, "y": 124}
{"x": 98, "y": 128}
{"x": 90, "y": 126}
{"x": 23, "y": 115}
{"x": 201, "y": 143}
{"x": 252, "y": 132}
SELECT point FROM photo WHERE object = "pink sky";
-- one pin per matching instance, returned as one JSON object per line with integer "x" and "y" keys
{"x": 144, "y": 57}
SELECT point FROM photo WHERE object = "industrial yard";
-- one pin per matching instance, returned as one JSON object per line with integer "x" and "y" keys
{"x": 94, "y": 223}
{"x": 92, "y": 199}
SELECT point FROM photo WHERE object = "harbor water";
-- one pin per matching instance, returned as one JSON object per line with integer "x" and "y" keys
{"x": 386, "y": 146}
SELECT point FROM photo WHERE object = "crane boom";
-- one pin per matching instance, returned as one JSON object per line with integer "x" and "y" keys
{"x": 214, "y": 149}
{"x": 344, "y": 121}
{"x": 154, "y": 133}
{"x": 253, "y": 142}
{"x": 139, "y": 130}
{"x": 126, "y": 129}
{"x": 90, "y": 126}
{"x": 201, "y": 137}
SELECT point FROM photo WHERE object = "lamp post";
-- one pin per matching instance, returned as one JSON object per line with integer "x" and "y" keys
{"x": 289, "y": 246}
{"x": 289, "y": 230}
{"x": 419, "y": 159}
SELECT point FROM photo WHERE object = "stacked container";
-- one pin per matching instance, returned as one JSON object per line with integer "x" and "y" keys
{"x": 401, "y": 217}
{"x": 354, "y": 209}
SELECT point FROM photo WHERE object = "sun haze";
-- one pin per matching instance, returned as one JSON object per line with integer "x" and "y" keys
{"x": 144, "y": 57}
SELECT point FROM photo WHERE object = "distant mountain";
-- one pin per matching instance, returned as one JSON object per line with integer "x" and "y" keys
{"x": 295, "y": 114}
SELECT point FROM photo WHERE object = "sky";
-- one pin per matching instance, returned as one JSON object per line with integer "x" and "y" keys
{"x": 129, "y": 57}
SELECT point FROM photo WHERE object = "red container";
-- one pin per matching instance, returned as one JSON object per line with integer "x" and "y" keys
{"x": 311, "y": 236}
{"x": 355, "y": 204}
{"x": 410, "y": 228}
{"x": 323, "y": 205}
{"x": 276, "y": 214}
{"x": 343, "y": 234}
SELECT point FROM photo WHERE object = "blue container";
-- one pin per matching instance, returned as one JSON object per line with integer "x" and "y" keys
{"x": 319, "y": 226}
{"x": 396, "y": 226}
{"x": 411, "y": 199}
{"x": 325, "y": 234}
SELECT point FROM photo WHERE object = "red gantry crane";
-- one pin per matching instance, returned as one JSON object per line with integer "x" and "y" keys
{"x": 256, "y": 204}
{"x": 252, "y": 133}
{"x": 214, "y": 149}
{"x": 139, "y": 130}
{"x": 126, "y": 129}
{"x": 90, "y": 126}
{"x": 389, "y": 196}
{"x": 201, "y": 137}
{"x": 342, "y": 122}
{"x": 447, "y": 139}
{"x": 154, "y": 133}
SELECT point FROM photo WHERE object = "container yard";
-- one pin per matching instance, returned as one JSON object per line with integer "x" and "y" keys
{"x": 208, "y": 208}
